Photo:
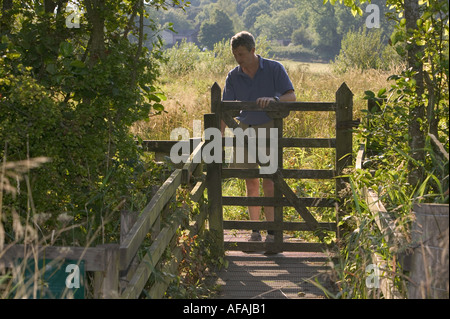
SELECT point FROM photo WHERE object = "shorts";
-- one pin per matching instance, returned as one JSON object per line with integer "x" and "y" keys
{"x": 249, "y": 160}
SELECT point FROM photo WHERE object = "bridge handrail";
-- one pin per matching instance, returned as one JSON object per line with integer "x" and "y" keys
{"x": 117, "y": 272}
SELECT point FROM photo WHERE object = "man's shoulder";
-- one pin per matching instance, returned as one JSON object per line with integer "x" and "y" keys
{"x": 272, "y": 63}
{"x": 234, "y": 71}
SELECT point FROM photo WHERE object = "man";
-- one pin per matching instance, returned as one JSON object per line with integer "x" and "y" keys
{"x": 264, "y": 81}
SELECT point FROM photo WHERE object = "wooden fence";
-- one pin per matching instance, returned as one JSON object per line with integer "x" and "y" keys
{"x": 283, "y": 194}
{"x": 386, "y": 225}
{"x": 118, "y": 273}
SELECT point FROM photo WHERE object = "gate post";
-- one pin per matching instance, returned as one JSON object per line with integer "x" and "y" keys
{"x": 344, "y": 141}
{"x": 106, "y": 283}
{"x": 278, "y": 194}
{"x": 214, "y": 177}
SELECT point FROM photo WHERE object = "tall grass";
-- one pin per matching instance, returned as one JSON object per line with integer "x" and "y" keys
{"x": 188, "y": 76}
{"x": 187, "y": 88}
{"x": 16, "y": 228}
{"x": 189, "y": 98}
{"x": 22, "y": 278}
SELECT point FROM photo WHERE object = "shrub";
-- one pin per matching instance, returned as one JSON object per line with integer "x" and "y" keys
{"x": 301, "y": 37}
{"x": 63, "y": 98}
{"x": 182, "y": 58}
{"x": 363, "y": 50}
{"x": 186, "y": 57}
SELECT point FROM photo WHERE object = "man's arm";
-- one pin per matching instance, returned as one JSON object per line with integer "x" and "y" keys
{"x": 288, "y": 96}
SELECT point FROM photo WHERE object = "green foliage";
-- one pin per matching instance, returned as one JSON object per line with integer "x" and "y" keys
{"x": 365, "y": 49}
{"x": 218, "y": 28}
{"x": 385, "y": 172}
{"x": 361, "y": 241}
{"x": 278, "y": 25}
{"x": 182, "y": 58}
{"x": 71, "y": 94}
{"x": 199, "y": 257}
{"x": 293, "y": 52}
{"x": 186, "y": 58}
{"x": 302, "y": 37}
{"x": 388, "y": 130}
{"x": 253, "y": 11}
{"x": 278, "y": 21}
{"x": 385, "y": 131}
{"x": 194, "y": 269}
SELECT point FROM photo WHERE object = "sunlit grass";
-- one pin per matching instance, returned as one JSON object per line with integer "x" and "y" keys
{"x": 188, "y": 99}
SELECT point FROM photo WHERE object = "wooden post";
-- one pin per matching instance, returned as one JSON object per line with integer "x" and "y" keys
{"x": 214, "y": 177}
{"x": 216, "y": 103}
{"x": 429, "y": 278}
{"x": 106, "y": 283}
{"x": 344, "y": 141}
{"x": 127, "y": 220}
{"x": 278, "y": 194}
{"x": 216, "y": 98}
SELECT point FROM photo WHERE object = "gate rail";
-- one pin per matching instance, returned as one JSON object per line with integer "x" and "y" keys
{"x": 284, "y": 196}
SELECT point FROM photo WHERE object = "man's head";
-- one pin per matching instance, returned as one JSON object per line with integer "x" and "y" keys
{"x": 243, "y": 48}
{"x": 243, "y": 38}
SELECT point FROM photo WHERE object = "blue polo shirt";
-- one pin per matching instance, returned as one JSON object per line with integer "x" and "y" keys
{"x": 271, "y": 79}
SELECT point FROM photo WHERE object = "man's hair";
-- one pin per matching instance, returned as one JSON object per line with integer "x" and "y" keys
{"x": 243, "y": 38}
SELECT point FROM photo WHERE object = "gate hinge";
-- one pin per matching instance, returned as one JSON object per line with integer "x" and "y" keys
{"x": 348, "y": 124}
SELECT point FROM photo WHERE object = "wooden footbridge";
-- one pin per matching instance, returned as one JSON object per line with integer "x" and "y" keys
{"x": 121, "y": 272}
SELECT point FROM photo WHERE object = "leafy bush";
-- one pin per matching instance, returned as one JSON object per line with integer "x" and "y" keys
{"x": 185, "y": 57}
{"x": 302, "y": 37}
{"x": 365, "y": 49}
{"x": 182, "y": 58}
{"x": 72, "y": 98}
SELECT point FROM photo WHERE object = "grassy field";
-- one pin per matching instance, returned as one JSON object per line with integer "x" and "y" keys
{"x": 188, "y": 98}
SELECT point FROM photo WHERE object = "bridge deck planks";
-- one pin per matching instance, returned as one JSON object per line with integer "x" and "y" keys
{"x": 285, "y": 275}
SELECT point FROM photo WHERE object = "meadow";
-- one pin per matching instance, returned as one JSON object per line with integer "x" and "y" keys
{"x": 188, "y": 99}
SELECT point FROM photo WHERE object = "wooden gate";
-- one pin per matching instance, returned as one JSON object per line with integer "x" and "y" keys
{"x": 284, "y": 195}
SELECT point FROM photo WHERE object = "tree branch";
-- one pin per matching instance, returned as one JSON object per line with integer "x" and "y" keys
{"x": 94, "y": 9}
{"x": 131, "y": 20}
{"x": 140, "y": 42}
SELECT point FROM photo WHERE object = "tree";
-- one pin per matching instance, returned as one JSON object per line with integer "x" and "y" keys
{"x": 70, "y": 92}
{"x": 417, "y": 108}
{"x": 324, "y": 24}
{"x": 302, "y": 37}
{"x": 252, "y": 12}
{"x": 421, "y": 36}
{"x": 219, "y": 27}
{"x": 278, "y": 26}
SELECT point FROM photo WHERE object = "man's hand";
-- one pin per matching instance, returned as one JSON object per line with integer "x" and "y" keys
{"x": 288, "y": 96}
{"x": 264, "y": 101}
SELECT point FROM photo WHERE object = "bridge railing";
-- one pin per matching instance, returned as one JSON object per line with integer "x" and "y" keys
{"x": 117, "y": 270}
{"x": 423, "y": 255}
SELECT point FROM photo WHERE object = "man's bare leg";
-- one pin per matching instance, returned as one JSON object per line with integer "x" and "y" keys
{"x": 253, "y": 191}
{"x": 268, "y": 187}
{"x": 253, "y": 211}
